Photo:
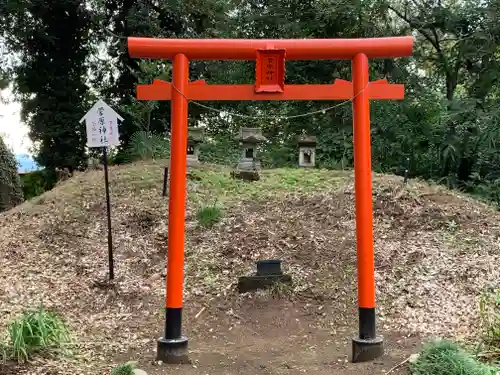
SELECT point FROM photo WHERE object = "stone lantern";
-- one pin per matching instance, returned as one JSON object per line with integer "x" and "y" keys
{"x": 195, "y": 139}
{"x": 307, "y": 150}
{"x": 249, "y": 165}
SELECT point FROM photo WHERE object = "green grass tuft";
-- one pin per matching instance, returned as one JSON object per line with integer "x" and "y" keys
{"x": 35, "y": 331}
{"x": 208, "y": 216}
{"x": 124, "y": 369}
{"x": 280, "y": 291}
{"x": 447, "y": 358}
{"x": 489, "y": 309}
{"x": 4, "y": 349}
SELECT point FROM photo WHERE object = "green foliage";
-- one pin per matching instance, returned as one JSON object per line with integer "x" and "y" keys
{"x": 448, "y": 124}
{"x": 36, "y": 183}
{"x": 144, "y": 18}
{"x": 208, "y": 216}
{"x": 36, "y": 331}
{"x": 280, "y": 155}
{"x": 4, "y": 76}
{"x": 49, "y": 75}
{"x": 11, "y": 193}
{"x": 447, "y": 358}
{"x": 4, "y": 352}
{"x": 124, "y": 369}
{"x": 140, "y": 112}
{"x": 146, "y": 146}
{"x": 489, "y": 308}
{"x": 220, "y": 149}
{"x": 32, "y": 185}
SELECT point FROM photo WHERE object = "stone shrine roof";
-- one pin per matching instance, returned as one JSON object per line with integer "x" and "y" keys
{"x": 253, "y": 139}
{"x": 307, "y": 140}
{"x": 251, "y": 135}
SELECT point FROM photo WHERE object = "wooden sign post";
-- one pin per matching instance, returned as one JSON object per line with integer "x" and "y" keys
{"x": 102, "y": 132}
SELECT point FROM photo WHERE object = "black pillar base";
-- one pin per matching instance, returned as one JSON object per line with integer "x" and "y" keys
{"x": 173, "y": 351}
{"x": 364, "y": 350}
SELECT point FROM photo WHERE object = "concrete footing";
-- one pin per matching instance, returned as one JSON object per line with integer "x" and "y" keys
{"x": 173, "y": 351}
{"x": 252, "y": 283}
{"x": 364, "y": 350}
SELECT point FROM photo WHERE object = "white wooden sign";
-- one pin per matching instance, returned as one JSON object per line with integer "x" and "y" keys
{"x": 102, "y": 125}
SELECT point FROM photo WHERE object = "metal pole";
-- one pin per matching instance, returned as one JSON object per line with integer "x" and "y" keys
{"x": 366, "y": 346}
{"x": 165, "y": 181}
{"x": 172, "y": 348}
{"x": 407, "y": 169}
{"x": 108, "y": 209}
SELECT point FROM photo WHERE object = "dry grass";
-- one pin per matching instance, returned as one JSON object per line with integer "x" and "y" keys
{"x": 435, "y": 252}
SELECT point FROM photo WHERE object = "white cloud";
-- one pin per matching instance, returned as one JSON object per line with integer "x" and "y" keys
{"x": 14, "y": 131}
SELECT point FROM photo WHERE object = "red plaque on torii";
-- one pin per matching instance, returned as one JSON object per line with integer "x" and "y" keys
{"x": 270, "y": 70}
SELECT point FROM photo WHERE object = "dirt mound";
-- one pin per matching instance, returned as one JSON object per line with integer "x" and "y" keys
{"x": 435, "y": 252}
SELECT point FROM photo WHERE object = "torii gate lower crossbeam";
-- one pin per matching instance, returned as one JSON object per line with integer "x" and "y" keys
{"x": 339, "y": 90}
{"x": 270, "y": 85}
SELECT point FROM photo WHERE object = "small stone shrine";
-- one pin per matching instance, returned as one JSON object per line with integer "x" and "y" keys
{"x": 307, "y": 150}
{"x": 195, "y": 139}
{"x": 268, "y": 273}
{"x": 249, "y": 165}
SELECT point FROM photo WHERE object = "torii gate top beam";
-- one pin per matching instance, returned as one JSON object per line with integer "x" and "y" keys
{"x": 245, "y": 49}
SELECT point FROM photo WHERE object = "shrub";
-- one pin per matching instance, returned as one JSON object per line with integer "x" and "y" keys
{"x": 11, "y": 193}
{"x": 35, "y": 331}
{"x": 146, "y": 146}
{"x": 209, "y": 216}
{"x": 223, "y": 150}
{"x": 36, "y": 183}
{"x": 124, "y": 369}
{"x": 447, "y": 358}
{"x": 489, "y": 309}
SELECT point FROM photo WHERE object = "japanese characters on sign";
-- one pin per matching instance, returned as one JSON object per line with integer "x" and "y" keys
{"x": 110, "y": 130}
{"x": 270, "y": 71}
{"x": 102, "y": 126}
{"x": 94, "y": 134}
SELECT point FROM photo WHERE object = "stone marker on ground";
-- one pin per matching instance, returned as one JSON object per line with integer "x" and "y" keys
{"x": 307, "y": 150}
{"x": 94, "y": 164}
{"x": 414, "y": 357}
{"x": 268, "y": 273}
{"x": 249, "y": 165}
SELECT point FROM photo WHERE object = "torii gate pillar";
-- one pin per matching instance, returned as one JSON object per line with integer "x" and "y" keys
{"x": 270, "y": 56}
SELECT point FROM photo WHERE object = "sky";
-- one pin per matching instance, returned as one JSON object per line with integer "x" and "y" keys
{"x": 14, "y": 131}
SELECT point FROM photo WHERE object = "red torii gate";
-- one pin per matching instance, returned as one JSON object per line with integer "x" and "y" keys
{"x": 270, "y": 56}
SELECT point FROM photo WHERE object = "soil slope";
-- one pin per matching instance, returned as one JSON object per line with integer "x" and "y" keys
{"x": 436, "y": 251}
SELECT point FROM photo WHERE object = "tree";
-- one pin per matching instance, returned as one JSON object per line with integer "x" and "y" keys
{"x": 457, "y": 42}
{"x": 50, "y": 39}
{"x": 124, "y": 18}
{"x": 11, "y": 193}
{"x": 4, "y": 79}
